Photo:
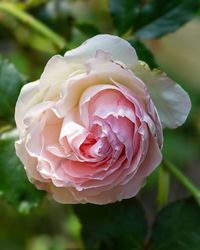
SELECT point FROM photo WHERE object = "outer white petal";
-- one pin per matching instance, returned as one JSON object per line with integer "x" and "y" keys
{"x": 117, "y": 193}
{"x": 28, "y": 97}
{"x": 172, "y": 102}
{"x": 63, "y": 195}
{"x": 29, "y": 162}
{"x": 58, "y": 70}
{"x": 119, "y": 49}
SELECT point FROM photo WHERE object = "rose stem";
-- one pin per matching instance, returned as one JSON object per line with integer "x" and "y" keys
{"x": 183, "y": 180}
{"x": 163, "y": 187}
{"x": 32, "y": 22}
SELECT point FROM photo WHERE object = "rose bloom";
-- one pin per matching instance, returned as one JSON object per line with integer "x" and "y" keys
{"x": 90, "y": 129}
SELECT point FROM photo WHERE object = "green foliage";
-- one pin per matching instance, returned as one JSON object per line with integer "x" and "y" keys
{"x": 116, "y": 226}
{"x": 14, "y": 185}
{"x": 125, "y": 14}
{"x": 123, "y": 226}
{"x": 175, "y": 139}
{"x": 143, "y": 53}
{"x": 55, "y": 15}
{"x": 35, "y": 24}
{"x": 40, "y": 229}
{"x": 177, "y": 227}
{"x": 151, "y": 19}
{"x": 11, "y": 82}
{"x": 167, "y": 16}
{"x": 87, "y": 29}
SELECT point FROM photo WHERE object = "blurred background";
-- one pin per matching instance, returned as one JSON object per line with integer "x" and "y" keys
{"x": 52, "y": 226}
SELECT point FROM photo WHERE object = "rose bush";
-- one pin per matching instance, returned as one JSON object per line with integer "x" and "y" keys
{"x": 90, "y": 129}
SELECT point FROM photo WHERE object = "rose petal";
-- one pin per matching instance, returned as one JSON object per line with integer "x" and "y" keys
{"x": 111, "y": 195}
{"x": 28, "y": 97}
{"x": 152, "y": 160}
{"x": 28, "y": 161}
{"x": 120, "y": 50}
{"x": 63, "y": 195}
{"x": 98, "y": 74}
{"x": 57, "y": 70}
{"x": 172, "y": 102}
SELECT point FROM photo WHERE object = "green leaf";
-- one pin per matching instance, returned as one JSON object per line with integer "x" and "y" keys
{"x": 11, "y": 82}
{"x": 143, "y": 53}
{"x": 177, "y": 227}
{"x": 14, "y": 185}
{"x": 153, "y": 18}
{"x": 115, "y": 226}
{"x": 124, "y": 13}
{"x": 167, "y": 17}
{"x": 87, "y": 29}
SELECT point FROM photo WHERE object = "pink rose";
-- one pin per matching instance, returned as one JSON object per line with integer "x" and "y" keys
{"x": 91, "y": 127}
